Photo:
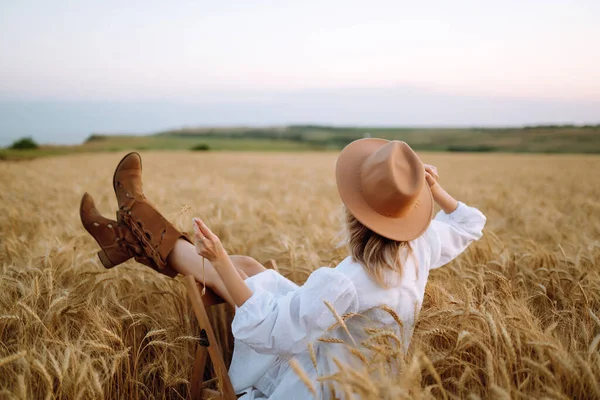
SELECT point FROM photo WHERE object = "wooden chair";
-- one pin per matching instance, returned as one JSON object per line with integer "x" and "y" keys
{"x": 209, "y": 347}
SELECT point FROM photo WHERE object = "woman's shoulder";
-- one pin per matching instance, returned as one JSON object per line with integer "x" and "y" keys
{"x": 349, "y": 268}
{"x": 371, "y": 294}
{"x": 362, "y": 281}
{"x": 341, "y": 275}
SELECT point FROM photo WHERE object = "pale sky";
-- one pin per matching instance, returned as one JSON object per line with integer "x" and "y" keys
{"x": 196, "y": 51}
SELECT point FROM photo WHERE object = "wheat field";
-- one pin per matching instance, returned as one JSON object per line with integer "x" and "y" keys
{"x": 516, "y": 316}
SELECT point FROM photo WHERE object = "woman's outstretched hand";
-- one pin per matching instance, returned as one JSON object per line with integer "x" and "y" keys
{"x": 208, "y": 245}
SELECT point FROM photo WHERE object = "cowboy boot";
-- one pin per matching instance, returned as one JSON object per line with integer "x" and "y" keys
{"x": 155, "y": 233}
{"x": 117, "y": 242}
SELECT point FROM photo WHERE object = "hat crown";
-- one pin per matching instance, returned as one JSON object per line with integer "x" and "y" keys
{"x": 392, "y": 179}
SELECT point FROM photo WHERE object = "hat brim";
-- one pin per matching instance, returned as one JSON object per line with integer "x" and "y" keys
{"x": 347, "y": 172}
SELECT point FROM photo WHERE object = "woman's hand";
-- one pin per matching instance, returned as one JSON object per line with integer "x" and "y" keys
{"x": 440, "y": 196}
{"x": 431, "y": 175}
{"x": 208, "y": 245}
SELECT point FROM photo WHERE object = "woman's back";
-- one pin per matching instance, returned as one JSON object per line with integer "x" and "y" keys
{"x": 396, "y": 307}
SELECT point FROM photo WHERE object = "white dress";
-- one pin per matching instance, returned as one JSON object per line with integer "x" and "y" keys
{"x": 281, "y": 318}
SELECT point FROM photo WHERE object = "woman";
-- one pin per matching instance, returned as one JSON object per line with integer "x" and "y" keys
{"x": 393, "y": 244}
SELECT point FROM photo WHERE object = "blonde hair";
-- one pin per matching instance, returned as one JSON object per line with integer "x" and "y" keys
{"x": 376, "y": 254}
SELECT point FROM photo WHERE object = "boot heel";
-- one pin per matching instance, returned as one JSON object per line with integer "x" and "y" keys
{"x": 105, "y": 260}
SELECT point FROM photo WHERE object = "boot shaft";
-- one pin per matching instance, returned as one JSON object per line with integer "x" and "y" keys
{"x": 156, "y": 235}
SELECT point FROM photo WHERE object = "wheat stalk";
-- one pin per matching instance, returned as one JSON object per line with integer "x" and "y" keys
{"x": 303, "y": 376}
{"x": 12, "y": 358}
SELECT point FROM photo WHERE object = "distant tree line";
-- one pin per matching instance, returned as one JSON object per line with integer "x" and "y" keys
{"x": 334, "y": 138}
{"x": 568, "y": 126}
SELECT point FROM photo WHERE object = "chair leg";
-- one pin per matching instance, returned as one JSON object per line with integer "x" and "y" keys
{"x": 198, "y": 372}
{"x": 214, "y": 351}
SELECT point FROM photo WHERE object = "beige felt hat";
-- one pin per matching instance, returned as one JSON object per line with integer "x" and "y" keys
{"x": 382, "y": 183}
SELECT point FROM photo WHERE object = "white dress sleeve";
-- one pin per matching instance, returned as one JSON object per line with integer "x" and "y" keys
{"x": 284, "y": 325}
{"x": 450, "y": 234}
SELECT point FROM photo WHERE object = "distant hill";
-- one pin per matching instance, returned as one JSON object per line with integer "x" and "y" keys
{"x": 546, "y": 139}
{"x": 529, "y": 139}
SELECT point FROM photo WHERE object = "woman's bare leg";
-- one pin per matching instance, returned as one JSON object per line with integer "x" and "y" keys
{"x": 184, "y": 259}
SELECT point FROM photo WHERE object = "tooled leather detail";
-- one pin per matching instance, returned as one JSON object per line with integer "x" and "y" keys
{"x": 145, "y": 238}
{"x": 126, "y": 245}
